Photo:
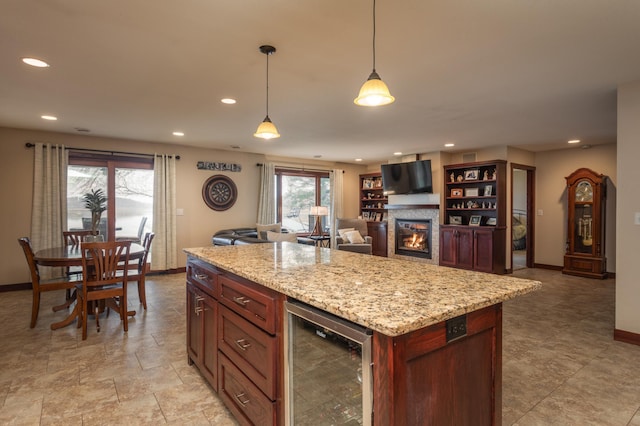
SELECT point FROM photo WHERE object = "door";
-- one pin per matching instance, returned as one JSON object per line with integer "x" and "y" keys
{"x": 522, "y": 216}
{"x": 128, "y": 185}
{"x": 448, "y": 246}
{"x": 465, "y": 248}
{"x": 483, "y": 242}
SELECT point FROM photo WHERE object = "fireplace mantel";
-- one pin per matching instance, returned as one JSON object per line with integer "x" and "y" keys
{"x": 411, "y": 206}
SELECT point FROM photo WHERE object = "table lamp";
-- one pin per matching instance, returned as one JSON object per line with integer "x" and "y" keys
{"x": 318, "y": 211}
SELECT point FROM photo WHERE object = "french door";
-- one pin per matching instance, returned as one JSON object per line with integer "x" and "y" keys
{"x": 126, "y": 181}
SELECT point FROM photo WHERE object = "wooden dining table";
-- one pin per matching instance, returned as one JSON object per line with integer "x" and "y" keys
{"x": 65, "y": 256}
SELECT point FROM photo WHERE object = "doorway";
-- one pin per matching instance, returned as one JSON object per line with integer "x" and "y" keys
{"x": 522, "y": 216}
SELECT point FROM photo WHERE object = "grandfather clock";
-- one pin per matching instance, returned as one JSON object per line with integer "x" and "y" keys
{"x": 584, "y": 256}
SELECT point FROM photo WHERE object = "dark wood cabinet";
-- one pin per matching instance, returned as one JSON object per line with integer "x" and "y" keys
{"x": 448, "y": 372}
{"x": 373, "y": 209}
{"x": 234, "y": 338}
{"x": 475, "y": 248}
{"x": 378, "y": 232}
{"x": 473, "y": 235}
{"x": 202, "y": 312}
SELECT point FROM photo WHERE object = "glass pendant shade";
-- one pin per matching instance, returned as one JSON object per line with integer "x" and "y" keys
{"x": 267, "y": 130}
{"x": 374, "y": 92}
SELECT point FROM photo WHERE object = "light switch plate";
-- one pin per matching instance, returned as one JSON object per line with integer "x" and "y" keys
{"x": 637, "y": 218}
{"x": 179, "y": 212}
{"x": 540, "y": 212}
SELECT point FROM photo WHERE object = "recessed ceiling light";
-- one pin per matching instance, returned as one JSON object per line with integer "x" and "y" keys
{"x": 397, "y": 153}
{"x": 49, "y": 117}
{"x": 228, "y": 101}
{"x": 178, "y": 134}
{"x": 574, "y": 141}
{"x": 35, "y": 62}
{"x": 449, "y": 145}
{"x": 358, "y": 159}
{"x": 317, "y": 156}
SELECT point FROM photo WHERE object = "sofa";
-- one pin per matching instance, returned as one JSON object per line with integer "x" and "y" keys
{"x": 237, "y": 236}
{"x": 259, "y": 234}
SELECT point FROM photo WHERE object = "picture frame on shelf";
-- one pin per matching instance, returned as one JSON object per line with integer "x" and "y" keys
{"x": 471, "y": 192}
{"x": 456, "y": 192}
{"x": 471, "y": 174}
{"x": 488, "y": 190}
{"x": 455, "y": 220}
{"x": 475, "y": 220}
{"x": 492, "y": 221}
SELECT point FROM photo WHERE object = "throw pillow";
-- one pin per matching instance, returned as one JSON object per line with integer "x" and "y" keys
{"x": 279, "y": 237}
{"x": 354, "y": 237}
{"x": 262, "y": 229}
{"x": 343, "y": 232}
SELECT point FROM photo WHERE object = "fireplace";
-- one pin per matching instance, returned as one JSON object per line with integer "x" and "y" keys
{"x": 413, "y": 237}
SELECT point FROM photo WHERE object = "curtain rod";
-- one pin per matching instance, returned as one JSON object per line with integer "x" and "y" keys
{"x": 302, "y": 169}
{"x": 31, "y": 145}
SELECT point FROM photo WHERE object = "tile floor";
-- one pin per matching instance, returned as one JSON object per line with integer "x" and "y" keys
{"x": 560, "y": 363}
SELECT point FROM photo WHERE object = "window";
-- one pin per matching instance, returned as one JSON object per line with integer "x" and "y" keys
{"x": 298, "y": 191}
{"x": 130, "y": 179}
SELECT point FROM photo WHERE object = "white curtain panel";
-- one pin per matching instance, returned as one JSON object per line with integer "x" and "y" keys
{"x": 336, "y": 183}
{"x": 164, "y": 252}
{"x": 49, "y": 205}
{"x": 267, "y": 200}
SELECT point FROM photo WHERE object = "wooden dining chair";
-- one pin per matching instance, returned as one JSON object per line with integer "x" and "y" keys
{"x": 74, "y": 238}
{"x": 102, "y": 279}
{"x": 39, "y": 286}
{"x": 139, "y": 269}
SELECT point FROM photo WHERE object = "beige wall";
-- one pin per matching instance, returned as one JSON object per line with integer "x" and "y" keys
{"x": 628, "y": 233}
{"x": 551, "y": 198}
{"x": 195, "y": 227}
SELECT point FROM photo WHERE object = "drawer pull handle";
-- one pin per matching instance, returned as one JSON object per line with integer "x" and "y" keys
{"x": 198, "y": 309}
{"x": 238, "y": 398}
{"x": 243, "y": 344}
{"x": 241, "y": 300}
{"x": 201, "y": 276}
{"x": 199, "y": 299}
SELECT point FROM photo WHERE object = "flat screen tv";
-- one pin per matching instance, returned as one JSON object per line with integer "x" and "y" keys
{"x": 407, "y": 178}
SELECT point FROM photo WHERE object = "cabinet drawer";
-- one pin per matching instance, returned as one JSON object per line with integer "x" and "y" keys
{"x": 242, "y": 397}
{"x": 250, "y": 348}
{"x": 202, "y": 275}
{"x": 255, "y": 303}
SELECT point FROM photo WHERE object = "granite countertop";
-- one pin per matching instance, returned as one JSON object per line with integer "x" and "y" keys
{"x": 390, "y": 296}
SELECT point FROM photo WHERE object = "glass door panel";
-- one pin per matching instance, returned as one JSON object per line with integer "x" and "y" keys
{"x": 134, "y": 202}
{"x": 80, "y": 180}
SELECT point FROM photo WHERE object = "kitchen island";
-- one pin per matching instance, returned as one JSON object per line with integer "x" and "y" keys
{"x": 437, "y": 333}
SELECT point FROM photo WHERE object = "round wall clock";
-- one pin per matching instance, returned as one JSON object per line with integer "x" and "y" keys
{"x": 219, "y": 192}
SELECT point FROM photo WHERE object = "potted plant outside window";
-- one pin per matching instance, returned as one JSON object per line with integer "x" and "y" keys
{"x": 96, "y": 202}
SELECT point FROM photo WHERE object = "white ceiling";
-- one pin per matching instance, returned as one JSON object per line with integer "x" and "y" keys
{"x": 526, "y": 73}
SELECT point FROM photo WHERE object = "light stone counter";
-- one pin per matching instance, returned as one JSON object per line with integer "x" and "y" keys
{"x": 390, "y": 296}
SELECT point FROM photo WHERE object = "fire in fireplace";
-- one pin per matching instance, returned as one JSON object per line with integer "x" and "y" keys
{"x": 413, "y": 237}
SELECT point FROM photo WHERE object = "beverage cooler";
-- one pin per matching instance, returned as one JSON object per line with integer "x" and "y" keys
{"x": 328, "y": 371}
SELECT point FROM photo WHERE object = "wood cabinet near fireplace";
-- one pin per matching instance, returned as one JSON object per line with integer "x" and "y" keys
{"x": 478, "y": 249}
{"x": 378, "y": 232}
{"x": 473, "y": 235}
{"x": 373, "y": 209}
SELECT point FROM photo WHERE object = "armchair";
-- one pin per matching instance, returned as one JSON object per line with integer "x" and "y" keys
{"x": 360, "y": 225}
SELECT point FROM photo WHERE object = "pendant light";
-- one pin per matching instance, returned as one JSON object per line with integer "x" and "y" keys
{"x": 374, "y": 92}
{"x": 266, "y": 129}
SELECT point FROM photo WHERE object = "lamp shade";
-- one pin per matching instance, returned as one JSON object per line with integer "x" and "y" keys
{"x": 374, "y": 92}
{"x": 319, "y": 211}
{"x": 267, "y": 130}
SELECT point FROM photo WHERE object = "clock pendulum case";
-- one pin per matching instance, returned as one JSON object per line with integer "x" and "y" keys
{"x": 584, "y": 256}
